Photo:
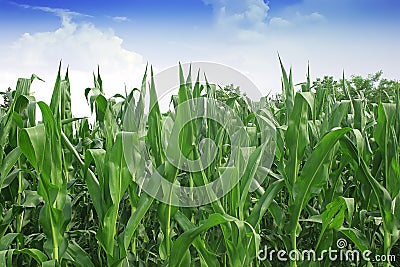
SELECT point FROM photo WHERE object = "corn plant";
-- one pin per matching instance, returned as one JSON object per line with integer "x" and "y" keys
{"x": 302, "y": 169}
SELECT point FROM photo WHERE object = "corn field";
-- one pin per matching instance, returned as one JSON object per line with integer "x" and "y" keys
{"x": 83, "y": 192}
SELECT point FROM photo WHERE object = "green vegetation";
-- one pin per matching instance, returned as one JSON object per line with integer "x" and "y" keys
{"x": 69, "y": 197}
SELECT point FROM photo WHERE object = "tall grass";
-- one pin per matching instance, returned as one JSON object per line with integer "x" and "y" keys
{"x": 72, "y": 196}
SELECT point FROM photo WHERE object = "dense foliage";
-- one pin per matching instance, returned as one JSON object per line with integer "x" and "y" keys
{"x": 68, "y": 197}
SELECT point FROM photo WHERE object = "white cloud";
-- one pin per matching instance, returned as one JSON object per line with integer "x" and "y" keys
{"x": 311, "y": 18}
{"x": 279, "y": 22}
{"x": 248, "y": 20}
{"x": 240, "y": 14}
{"x": 65, "y": 14}
{"x": 80, "y": 45}
{"x": 297, "y": 20}
{"x": 120, "y": 19}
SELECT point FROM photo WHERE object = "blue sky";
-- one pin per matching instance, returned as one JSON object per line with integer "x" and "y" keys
{"x": 357, "y": 36}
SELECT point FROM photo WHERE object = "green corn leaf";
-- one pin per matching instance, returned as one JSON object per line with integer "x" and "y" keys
{"x": 183, "y": 242}
{"x": 144, "y": 204}
{"x": 387, "y": 140}
{"x": 41, "y": 145}
{"x": 264, "y": 202}
{"x": 7, "y": 218}
{"x": 77, "y": 255}
{"x": 339, "y": 113}
{"x": 8, "y": 163}
{"x": 93, "y": 183}
{"x": 139, "y": 111}
{"x": 7, "y": 240}
{"x": 116, "y": 181}
{"x": 248, "y": 176}
{"x": 3, "y": 259}
{"x": 390, "y": 224}
{"x": 154, "y": 125}
{"x": 209, "y": 258}
{"x": 36, "y": 254}
{"x": 357, "y": 237}
{"x": 314, "y": 174}
{"x": 297, "y": 136}
{"x": 288, "y": 89}
{"x": 56, "y": 96}
{"x": 50, "y": 263}
{"x": 332, "y": 217}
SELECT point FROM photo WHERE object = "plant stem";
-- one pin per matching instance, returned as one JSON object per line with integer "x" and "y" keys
{"x": 54, "y": 237}
{"x": 20, "y": 217}
{"x": 294, "y": 247}
{"x": 386, "y": 248}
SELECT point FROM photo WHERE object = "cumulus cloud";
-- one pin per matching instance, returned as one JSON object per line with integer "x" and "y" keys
{"x": 296, "y": 20}
{"x": 240, "y": 14}
{"x": 80, "y": 45}
{"x": 279, "y": 22}
{"x": 249, "y": 19}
